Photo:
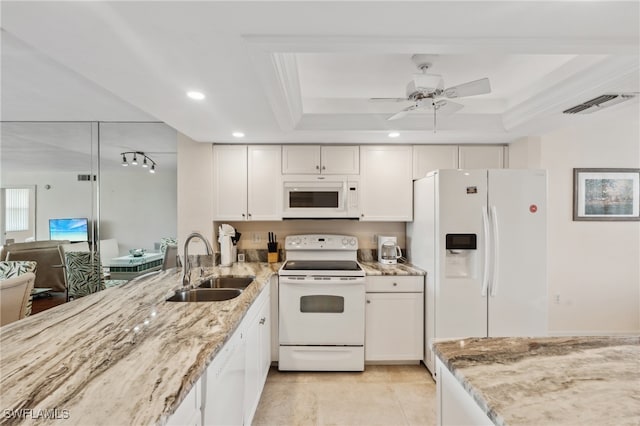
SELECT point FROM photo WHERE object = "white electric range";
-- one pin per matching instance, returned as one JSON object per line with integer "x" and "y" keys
{"x": 321, "y": 304}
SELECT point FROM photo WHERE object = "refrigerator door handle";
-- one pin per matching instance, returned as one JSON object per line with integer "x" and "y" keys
{"x": 487, "y": 247}
{"x": 494, "y": 281}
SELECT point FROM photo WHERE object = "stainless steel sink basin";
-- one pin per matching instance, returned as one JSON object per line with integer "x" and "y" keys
{"x": 205, "y": 295}
{"x": 228, "y": 282}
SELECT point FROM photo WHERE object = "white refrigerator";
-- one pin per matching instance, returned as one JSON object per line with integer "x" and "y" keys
{"x": 480, "y": 235}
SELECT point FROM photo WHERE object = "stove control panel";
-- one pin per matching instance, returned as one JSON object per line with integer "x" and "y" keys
{"x": 321, "y": 242}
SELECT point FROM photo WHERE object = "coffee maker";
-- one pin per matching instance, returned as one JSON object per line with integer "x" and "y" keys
{"x": 388, "y": 250}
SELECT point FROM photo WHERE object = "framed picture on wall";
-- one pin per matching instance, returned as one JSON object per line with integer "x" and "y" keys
{"x": 606, "y": 194}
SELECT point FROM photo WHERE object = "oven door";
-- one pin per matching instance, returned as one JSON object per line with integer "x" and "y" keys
{"x": 321, "y": 310}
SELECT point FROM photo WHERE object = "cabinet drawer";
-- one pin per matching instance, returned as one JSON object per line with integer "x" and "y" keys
{"x": 394, "y": 283}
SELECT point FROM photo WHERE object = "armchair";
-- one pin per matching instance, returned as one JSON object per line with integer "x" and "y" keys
{"x": 14, "y": 297}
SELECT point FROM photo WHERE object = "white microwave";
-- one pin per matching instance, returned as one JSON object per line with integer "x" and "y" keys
{"x": 317, "y": 196}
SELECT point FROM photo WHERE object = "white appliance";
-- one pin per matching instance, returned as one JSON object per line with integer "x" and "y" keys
{"x": 327, "y": 196}
{"x": 481, "y": 237}
{"x": 388, "y": 250}
{"x": 321, "y": 304}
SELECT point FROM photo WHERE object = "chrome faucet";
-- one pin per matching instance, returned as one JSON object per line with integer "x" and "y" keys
{"x": 186, "y": 278}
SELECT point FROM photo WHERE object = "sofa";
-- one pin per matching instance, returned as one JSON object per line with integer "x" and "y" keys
{"x": 45, "y": 253}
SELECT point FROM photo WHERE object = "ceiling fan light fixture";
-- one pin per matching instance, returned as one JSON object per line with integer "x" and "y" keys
{"x": 135, "y": 160}
{"x": 124, "y": 161}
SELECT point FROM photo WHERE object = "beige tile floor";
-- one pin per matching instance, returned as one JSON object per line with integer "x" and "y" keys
{"x": 381, "y": 395}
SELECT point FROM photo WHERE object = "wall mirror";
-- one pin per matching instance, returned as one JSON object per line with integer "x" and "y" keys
{"x": 74, "y": 170}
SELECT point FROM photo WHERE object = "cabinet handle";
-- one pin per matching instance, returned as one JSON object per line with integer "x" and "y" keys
{"x": 362, "y": 215}
{"x": 368, "y": 301}
{"x": 243, "y": 215}
{"x": 249, "y": 214}
{"x": 317, "y": 167}
{"x": 395, "y": 284}
{"x": 324, "y": 168}
{"x": 262, "y": 320}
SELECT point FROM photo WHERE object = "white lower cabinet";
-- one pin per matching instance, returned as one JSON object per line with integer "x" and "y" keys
{"x": 394, "y": 318}
{"x": 229, "y": 391}
{"x": 454, "y": 405}
{"x": 258, "y": 353}
{"x": 189, "y": 412}
{"x": 223, "y": 390}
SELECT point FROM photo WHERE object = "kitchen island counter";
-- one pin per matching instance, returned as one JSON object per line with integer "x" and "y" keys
{"x": 544, "y": 381}
{"x": 375, "y": 268}
{"x": 120, "y": 356}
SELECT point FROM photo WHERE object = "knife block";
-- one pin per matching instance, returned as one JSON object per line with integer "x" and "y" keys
{"x": 272, "y": 257}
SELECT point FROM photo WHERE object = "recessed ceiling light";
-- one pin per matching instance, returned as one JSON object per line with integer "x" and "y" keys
{"x": 394, "y": 134}
{"x": 238, "y": 134}
{"x": 196, "y": 95}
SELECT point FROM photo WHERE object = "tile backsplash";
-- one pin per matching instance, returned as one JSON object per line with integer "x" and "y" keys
{"x": 254, "y": 234}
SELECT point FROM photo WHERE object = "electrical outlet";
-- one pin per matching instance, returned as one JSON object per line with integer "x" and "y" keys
{"x": 556, "y": 298}
{"x": 374, "y": 239}
{"x": 256, "y": 237}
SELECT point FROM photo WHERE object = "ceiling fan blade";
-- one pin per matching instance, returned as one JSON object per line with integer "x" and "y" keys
{"x": 402, "y": 113}
{"x": 388, "y": 100}
{"x": 444, "y": 106}
{"x": 472, "y": 88}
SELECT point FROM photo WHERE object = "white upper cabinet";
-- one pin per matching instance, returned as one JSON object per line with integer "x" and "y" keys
{"x": 264, "y": 188}
{"x": 386, "y": 183}
{"x": 433, "y": 157}
{"x": 315, "y": 159}
{"x": 482, "y": 156}
{"x": 229, "y": 182}
{"x": 247, "y": 183}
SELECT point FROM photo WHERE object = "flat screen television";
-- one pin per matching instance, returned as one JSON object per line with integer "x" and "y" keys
{"x": 72, "y": 229}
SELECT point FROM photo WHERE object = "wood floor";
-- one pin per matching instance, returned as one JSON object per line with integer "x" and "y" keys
{"x": 44, "y": 302}
{"x": 381, "y": 395}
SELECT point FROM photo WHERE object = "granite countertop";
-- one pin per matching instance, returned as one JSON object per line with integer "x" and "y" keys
{"x": 120, "y": 356}
{"x": 375, "y": 268}
{"x": 550, "y": 381}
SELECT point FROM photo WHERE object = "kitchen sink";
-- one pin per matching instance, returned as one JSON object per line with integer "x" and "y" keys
{"x": 205, "y": 295}
{"x": 228, "y": 282}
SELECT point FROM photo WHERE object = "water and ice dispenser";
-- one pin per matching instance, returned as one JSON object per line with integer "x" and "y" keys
{"x": 461, "y": 255}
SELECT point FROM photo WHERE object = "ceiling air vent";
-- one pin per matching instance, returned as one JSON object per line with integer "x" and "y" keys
{"x": 596, "y": 104}
{"x": 85, "y": 178}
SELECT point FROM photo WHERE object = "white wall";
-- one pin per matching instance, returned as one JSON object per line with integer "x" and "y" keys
{"x": 137, "y": 208}
{"x": 594, "y": 267}
{"x": 66, "y": 197}
{"x": 195, "y": 191}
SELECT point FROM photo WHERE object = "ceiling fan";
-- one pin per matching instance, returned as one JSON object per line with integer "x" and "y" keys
{"x": 426, "y": 91}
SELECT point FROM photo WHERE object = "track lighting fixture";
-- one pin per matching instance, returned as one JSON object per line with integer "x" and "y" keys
{"x": 145, "y": 160}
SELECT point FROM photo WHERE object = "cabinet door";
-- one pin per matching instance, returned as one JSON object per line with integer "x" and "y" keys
{"x": 300, "y": 159}
{"x": 340, "y": 160}
{"x": 188, "y": 413}
{"x": 481, "y": 156}
{"x": 393, "y": 328}
{"x": 229, "y": 182}
{"x": 432, "y": 157}
{"x": 386, "y": 183}
{"x": 264, "y": 186}
{"x": 258, "y": 352}
{"x": 224, "y": 387}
